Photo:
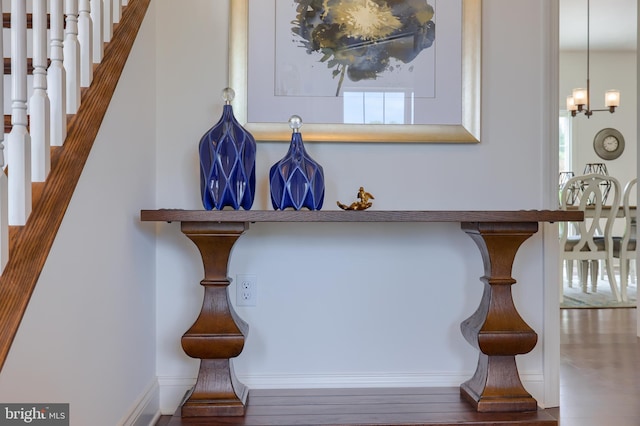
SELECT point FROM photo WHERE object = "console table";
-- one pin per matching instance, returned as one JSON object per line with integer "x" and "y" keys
{"x": 496, "y": 329}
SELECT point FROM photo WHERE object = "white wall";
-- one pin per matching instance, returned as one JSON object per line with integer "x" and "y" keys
{"x": 87, "y": 337}
{"x": 608, "y": 70}
{"x": 331, "y": 311}
{"x": 356, "y": 305}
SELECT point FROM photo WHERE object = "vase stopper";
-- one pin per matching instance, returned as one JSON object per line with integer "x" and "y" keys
{"x": 295, "y": 122}
{"x": 228, "y": 94}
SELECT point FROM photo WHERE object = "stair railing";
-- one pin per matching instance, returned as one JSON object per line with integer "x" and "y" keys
{"x": 30, "y": 245}
{"x": 4, "y": 185}
{"x": 62, "y": 62}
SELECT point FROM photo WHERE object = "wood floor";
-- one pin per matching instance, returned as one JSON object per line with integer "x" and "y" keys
{"x": 600, "y": 386}
{"x": 600, "y": 368}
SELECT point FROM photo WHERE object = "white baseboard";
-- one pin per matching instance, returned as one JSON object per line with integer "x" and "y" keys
{"x": 146, "y": 409}
{"x": 390, "y": 380}
{"x": 172, "y": 391}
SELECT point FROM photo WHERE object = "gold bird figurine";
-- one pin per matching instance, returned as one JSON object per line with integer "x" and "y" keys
{"x": 363, "y": 204}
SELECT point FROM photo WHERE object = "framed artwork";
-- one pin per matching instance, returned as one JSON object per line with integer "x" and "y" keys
{"x": 357, "y": 70}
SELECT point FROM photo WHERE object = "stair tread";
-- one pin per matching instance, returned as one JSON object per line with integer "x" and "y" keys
{"x": 8, "y": 125}
{"x": 6, "y": 20}
{"x": 7, "y": 65}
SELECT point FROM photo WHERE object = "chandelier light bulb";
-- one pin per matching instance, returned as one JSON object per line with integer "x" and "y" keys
{"x": 580, "y": 97}
{"x": 612, "y": 98}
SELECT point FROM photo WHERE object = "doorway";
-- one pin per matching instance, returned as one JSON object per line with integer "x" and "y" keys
{"x": 610, "y": 62}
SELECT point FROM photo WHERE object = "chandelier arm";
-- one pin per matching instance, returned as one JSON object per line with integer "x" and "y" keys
{"x": 585, "y": 108}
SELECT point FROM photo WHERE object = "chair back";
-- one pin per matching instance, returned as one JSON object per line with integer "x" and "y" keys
{"x": 630, "y": 216}
{"x": 589, "y": 193}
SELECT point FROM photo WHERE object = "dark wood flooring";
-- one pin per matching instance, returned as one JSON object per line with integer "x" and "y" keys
{"x": 600, "y": 386}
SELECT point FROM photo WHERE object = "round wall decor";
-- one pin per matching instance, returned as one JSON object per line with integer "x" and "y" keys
{"x": 608, "y": 144}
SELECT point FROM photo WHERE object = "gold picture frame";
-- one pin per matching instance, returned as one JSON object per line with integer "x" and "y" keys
{"x": 466, "y": 131}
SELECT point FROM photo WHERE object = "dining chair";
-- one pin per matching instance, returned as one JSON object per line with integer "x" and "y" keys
{"x": 624, "y": 248}
{"x": 587, "y": 244}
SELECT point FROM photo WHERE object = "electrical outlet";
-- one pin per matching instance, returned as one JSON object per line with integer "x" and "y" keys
{"x": 246, "y": 290}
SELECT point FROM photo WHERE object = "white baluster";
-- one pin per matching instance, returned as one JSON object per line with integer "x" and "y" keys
{"x": 107, "y": 26}
{"x": 39, "y": 126}
{"x": 4, "y": 209}
{"x": 72, "y": 56}
{"x": 117, "y": 10}
{"x": 97, "y": 21}
{"x": 85, "y": 39}
{"x": 57, "y": 77}
{"x": 125, "y": 2}
{"x": 19, "y": 141}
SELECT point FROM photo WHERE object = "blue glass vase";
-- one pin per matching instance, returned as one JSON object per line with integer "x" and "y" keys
{"x": 296, "y": 181}
{"x": 227, "y": 162}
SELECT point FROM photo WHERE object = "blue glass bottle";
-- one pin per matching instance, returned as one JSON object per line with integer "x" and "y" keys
{"x": 296, "y": 181}
{"x": 227, "y": 162}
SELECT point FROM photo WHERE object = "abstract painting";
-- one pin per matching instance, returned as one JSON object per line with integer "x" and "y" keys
{"x": 363, "y": 39}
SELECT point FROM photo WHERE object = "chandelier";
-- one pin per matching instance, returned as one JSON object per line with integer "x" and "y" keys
{"x": 579, "y": 101}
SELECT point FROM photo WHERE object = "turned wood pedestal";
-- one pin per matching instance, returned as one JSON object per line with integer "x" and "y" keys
{"x": 495, "y": 329}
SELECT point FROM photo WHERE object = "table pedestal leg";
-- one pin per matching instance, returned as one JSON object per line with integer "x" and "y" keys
{"x": 218, "y": 334}
{"x": 496, "y": 328}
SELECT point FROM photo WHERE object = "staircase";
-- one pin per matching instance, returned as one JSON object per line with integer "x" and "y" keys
{"x": 29, "y": 244}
